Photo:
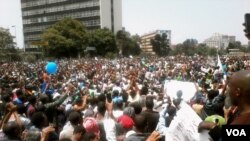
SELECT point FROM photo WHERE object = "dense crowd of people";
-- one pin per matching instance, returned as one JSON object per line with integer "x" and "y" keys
{"x": 118, "y": 100}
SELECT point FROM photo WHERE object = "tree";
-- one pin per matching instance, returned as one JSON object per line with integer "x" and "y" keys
{"x": 131, "y": 48}
{"x": 231, "y": 46}
{"x": 189, "y": 49}
{"x": 234, "y": 45}
{"x": 248, "y": 48}
{"x": 127, "y": 44}
{"x": 136, "y": 41}
{"x": 103, "y": 40}
{"x": 160, "y": 44}
{"x": 66, "y": 38}
{"x": 136, "y": 38}
{"x": 189, "y": 46}
{"x": 8, "y": 51}
{"x": 190, "y": 42}
{"x": 6, "y": 40}
{"x": 212, "y": 51}
{"x": 202, "y": 49}
{"x": 122, "y": 37}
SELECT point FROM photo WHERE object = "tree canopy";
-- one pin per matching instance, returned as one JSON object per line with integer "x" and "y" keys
{"x": 66, "y": 38}
{"x": 103, "y": 40}
{"x": 234, "y": 45}
{"x": 160, "y": 44}
{"x": 127, "y": 44}
{"x": 191, "y": 48}
{"x": 6, "y": 40}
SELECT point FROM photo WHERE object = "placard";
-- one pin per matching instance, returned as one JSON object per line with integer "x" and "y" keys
{"x": 184, "y": 127}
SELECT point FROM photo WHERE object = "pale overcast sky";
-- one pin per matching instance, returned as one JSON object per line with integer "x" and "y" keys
{"x": 197, "y": 19}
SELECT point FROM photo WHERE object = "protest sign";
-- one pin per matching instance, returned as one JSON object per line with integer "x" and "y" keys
{"x": 188, "y": 89}
{"x": 184, "y": 127}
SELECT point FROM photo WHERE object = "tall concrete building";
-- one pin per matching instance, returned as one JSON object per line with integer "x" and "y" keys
{"x": 219, "y": 41}
{"x": 40, "y": 14}
{"x": 146, "y": 45}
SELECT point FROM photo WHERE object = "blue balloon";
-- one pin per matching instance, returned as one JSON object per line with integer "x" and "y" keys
{"x": 51, "y": 68}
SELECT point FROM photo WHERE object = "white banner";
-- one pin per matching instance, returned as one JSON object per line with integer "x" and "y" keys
{"x": 188, "y": 89}
{"x": 184, "y": 127}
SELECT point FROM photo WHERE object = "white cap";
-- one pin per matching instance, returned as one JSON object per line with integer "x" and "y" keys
{"x": 55, "y": 95}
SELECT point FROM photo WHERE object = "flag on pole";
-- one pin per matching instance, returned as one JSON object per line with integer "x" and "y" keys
{"x": 221, "y": 70}
{"x": 219, "y": 64}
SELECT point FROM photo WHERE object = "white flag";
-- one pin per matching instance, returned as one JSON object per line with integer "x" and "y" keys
{"x": 219, "y": 64}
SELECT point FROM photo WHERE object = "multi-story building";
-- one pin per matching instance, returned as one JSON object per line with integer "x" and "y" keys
{"x": 219, "y": 41}
{"x": 40, "y": 14}
{"x": 146, "y": 45}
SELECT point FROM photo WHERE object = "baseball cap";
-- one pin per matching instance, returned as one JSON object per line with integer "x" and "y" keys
{"x": 126, "y": 121}
{"x": 91, "y": 125}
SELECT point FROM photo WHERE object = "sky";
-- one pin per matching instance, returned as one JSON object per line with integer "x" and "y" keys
{"x": 197, "y": 19}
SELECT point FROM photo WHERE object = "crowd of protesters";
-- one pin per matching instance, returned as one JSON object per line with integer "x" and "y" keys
{"x": 118, "y": 100}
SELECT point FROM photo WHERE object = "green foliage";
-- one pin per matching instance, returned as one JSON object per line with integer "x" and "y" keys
{"x": 127, "y": 44}
{"x": 8, "y": 51}
{"x": 30, "y": 58}
{"x": 110, "y": 55}
{"x": 232, "y": 46}
{"x": 10, "y": 54}
{"x": 188, "y": 48}
{"x": 202, "y": 49}
{"x": 6, "y": 40}
{"x": 236, "y": 45}
{"x": 103, "y": 40}
{"x": 136, "y": 38}
{"x": 177, "y": 50}
{"x": 247, "y": 48}
{"x": 190, "y": 43}
{"x": 66, "y": 38}
{"x": 160, "y": 44}
{"x": 135, "y": 41}
{"x": 132, "y": 48}
{"x": 212, "y": 52}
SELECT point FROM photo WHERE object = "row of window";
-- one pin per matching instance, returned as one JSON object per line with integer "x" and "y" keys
{"x": 62, "y": 16}
{"x": 42, "y": 2}
{"x": 60, "y": 8}
{"x": 147, "y": 47}
{"x": 43, "y": 27}
{"x": 39, "y": 2}
{"x": 92, "y": 23}
{"x": 32, "y": 37}
{"x": 148, "y": 50}
{"x": 35, "y": 28}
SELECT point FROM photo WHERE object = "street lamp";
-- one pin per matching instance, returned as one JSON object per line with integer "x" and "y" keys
{"x": 15, "y": 34}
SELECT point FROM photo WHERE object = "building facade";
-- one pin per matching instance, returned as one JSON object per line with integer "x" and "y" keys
{"x": 146, "y": 46}
{"x": 219, "y": 41}
{"x": 38, "y": 15}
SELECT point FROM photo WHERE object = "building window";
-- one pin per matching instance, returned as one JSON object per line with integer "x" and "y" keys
{"x": 32, "y": 37}
{"x": 61, "y": 8}
{"x": 39, "y": 2}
